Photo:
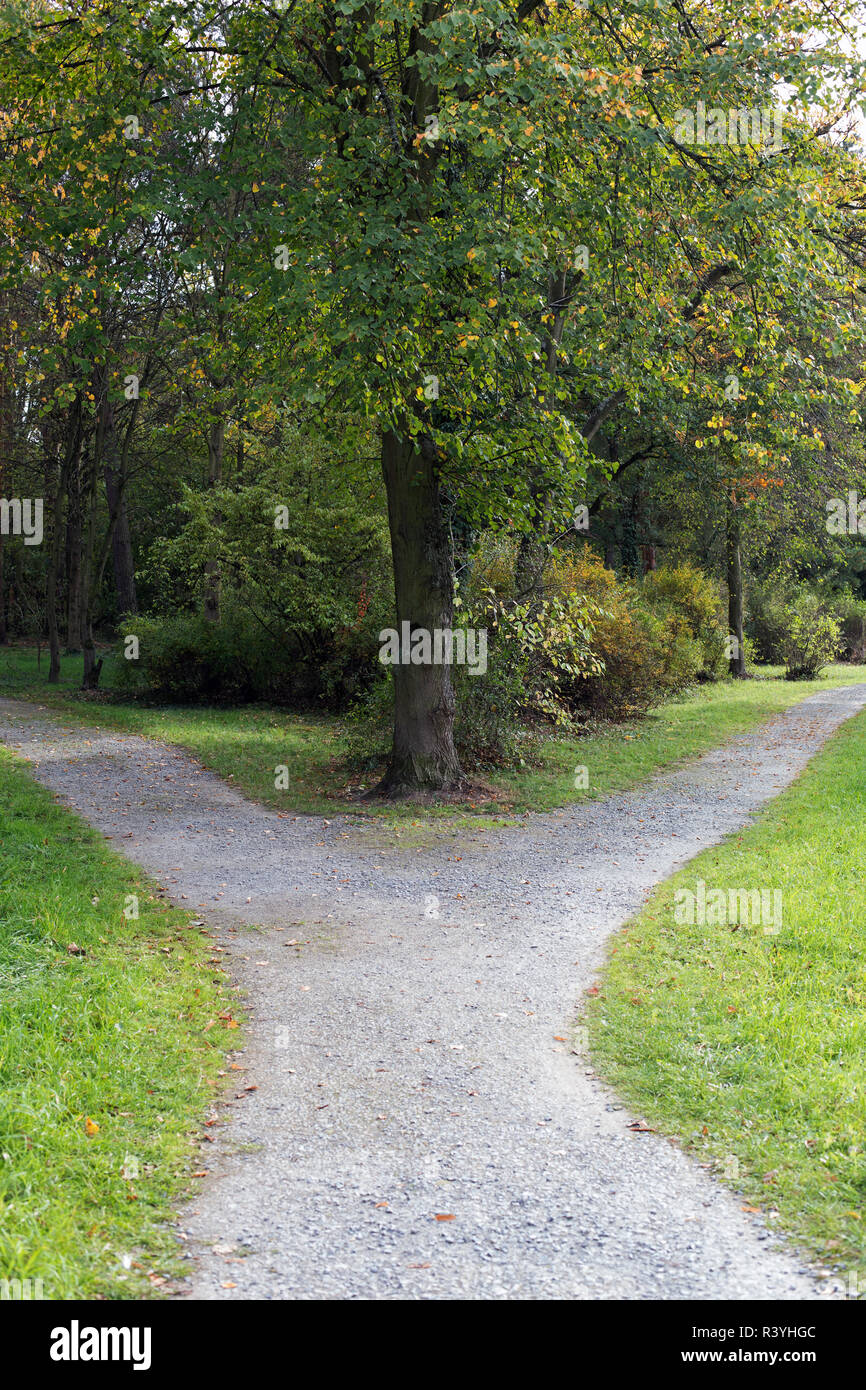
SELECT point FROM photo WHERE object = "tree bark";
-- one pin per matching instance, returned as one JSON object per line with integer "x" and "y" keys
{"x": 7, "y": 434}
{"x": 4, "y": 636}
{"x": 59, "y": 473}
{"x": 423, "y": 756}
{"x": 121, "y": 545}
{"x": 51, "y": 588}
{"x": 737, "y": 659}
{"x": 73, "y": 557}
{"x": 213, "y": 582}
{"x": 92, "y": 667}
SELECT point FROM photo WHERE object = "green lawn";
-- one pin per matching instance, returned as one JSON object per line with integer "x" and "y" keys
{"x": 245, "y": 745}
{"x": 108, "y": 1055}
{"x": 750, "y": 1046}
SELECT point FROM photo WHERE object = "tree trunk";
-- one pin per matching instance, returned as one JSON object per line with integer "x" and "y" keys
{"x": 73, "y": 558}
{"x": 7, "y": 433}
{"x": 102, "y": 458}
{"x": 4, "y": 636}
{"x": 121, "y": 546}
{"x": 532, "y": 551}
{"x": 213, "y": 585}
{"x": 423, "y": 757}
{"x": 56, "y": 478}
{"x": 737, "y": 658}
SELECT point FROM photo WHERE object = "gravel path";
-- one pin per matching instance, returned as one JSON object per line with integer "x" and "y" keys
{"x": 409, "y": 1001}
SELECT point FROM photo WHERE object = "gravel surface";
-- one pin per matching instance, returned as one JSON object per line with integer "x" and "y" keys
{"x": 422, "y": 1127}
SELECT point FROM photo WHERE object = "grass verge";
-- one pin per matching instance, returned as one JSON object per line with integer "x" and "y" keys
{"x": 748, "y": 1046}
{"x": 107, "y": 1061}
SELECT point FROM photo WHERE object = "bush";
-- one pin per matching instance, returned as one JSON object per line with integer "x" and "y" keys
{"x": 851, "y": 613}
{"x": 186, "y": 660}
{"x": 766, "y": 620}
{"x": 303, "y": 601}
{"x": 812, "y": 639}
{"x": 794, "y": 626}
{"x": 649, "y": 652}
{"x": 686, "y": 590}
{"x": 537, "y": 652}
{"x": 628, "y": 654}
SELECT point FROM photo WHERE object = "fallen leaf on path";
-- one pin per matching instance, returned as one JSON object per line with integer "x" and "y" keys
{"x": 444, "y": 1216}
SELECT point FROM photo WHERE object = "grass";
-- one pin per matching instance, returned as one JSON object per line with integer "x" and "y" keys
{"x": 751, "y": 1047}
{"x": 246, "y": 744}
{"x": 108, "y": 1058}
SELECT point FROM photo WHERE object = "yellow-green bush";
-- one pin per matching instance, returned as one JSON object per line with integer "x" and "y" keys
{"x": 687, "y": 590}
{"x": 643, "y": 646}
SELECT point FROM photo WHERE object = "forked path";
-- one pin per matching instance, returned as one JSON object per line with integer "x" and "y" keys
{"x": 408, "y": 1005}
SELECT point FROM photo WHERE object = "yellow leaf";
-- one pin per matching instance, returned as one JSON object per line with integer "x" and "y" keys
{"x": 90, "y": 1126}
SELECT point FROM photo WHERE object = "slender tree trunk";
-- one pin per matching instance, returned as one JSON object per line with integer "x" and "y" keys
{"x": 56, "y": 478}
{"x": 121, "y": 545}
{"x": 7, "y": 432}
{"x": 73, "y": 558}
{"x": 423, "y": 757}
{"x": 532, "y": 551}
{"x": 213, "y": 582}
{"x": 95, "y": 460}
{"x": 737, "y": 659}
{"x": 92, "y": 667}
{"x": 4, "y": 635}
{"x": 103, "y": 457}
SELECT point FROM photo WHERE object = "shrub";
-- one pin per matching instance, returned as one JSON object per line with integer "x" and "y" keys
{"x": 794, "y": 626}
{"x": 186, "y": 660}
{"x": 812, "y": 637}
{"x": 537, "y": 652}
{"x": 766, "y": 620}
{"x": 851, "y": 613}
{"x": 649, "y": 652}
{"x": 686, "y": 590}
{"x": 303, "y": 601}
{"x": 629, "y": 654}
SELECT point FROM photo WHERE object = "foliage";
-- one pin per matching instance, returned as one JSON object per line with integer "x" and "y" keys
{"x": 795, "y": 625}
{"x": 539, "y": 652}
{"x": 851, "y": 613}
{"x": 686, "y": 590}
{"x": 648, "y": 652}
{"x": 811, "y": 639}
